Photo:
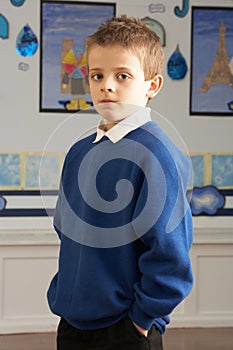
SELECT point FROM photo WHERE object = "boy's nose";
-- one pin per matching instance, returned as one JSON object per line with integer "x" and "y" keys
{"x": 108, "y": 85}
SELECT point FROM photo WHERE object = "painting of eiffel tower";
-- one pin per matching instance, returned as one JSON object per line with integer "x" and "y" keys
{"x": 211, "y": 88}
{"x": 220, "y": 72}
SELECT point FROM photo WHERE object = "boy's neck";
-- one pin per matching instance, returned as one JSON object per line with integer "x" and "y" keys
{"x": 109, "y": 126}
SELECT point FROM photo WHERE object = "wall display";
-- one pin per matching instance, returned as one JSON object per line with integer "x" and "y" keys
{"x": 206, "y": 200}
{"x": 157, "y": 27}
{"x": 32, "y": 179}
{"x": 26, "y": 42}
{"x": 17, "y": 2}
{"x": 184, "y": 10}
{"x": 198, "y": 168}
{"x": 211, "y": 61}
{"x": 222, "y": 170}
{"x": 10, "y": 170}
{"x": 63, "y": 76}
{"x": 4, "y": 27}
{"x": 177, "y": 66}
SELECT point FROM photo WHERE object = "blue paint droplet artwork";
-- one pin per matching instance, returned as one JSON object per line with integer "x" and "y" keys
{"x": 17, "y": 2}
{"x": 176, "y": 66}
{"x": 26, "y": 43}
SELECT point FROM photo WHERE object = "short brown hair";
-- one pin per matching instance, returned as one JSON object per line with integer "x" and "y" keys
{"x": 133, "y": 34}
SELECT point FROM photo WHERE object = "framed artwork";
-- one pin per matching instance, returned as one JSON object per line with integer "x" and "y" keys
{"x": 64, "y": 26}
{"x": 211, "y": 91}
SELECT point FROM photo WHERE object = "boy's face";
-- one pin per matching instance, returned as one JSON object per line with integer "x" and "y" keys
{"x": 116, "y": 76}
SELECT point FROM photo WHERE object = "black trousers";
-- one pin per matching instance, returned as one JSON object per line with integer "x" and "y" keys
{"x": 120, "y": 336}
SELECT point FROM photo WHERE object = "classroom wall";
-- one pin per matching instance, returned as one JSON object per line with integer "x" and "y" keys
{"x": 25, "y": 129}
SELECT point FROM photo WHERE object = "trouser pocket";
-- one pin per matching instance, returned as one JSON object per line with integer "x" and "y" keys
{"x": 153, "y": 341}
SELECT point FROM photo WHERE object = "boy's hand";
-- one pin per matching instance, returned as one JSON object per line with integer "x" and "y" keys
{"x": 141, "y": 330}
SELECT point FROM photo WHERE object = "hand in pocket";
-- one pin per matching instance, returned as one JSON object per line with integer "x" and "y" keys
{"x": 140, "y": 329}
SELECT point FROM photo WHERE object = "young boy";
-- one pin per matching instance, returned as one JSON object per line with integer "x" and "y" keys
{"x": 122, "y": 215}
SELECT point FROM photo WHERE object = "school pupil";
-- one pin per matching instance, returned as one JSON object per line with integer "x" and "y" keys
{"x": 122, "y": 268}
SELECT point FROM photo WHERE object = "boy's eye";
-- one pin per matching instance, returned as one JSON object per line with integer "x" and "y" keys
{"x": 96, "y": 76}
{"x": 123, "y": 76}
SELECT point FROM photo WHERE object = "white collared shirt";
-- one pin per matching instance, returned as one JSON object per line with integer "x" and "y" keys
{"x": 125, "y": 126}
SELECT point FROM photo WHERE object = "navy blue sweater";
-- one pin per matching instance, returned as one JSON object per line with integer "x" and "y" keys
{"x": 126, "y": 230}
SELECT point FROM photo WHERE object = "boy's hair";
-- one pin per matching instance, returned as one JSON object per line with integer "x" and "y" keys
{"x": 132, "y": 34}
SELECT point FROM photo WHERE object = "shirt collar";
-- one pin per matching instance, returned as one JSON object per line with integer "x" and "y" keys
{"x": 125, "y": 126}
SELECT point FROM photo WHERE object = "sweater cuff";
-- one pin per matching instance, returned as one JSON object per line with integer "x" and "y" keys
{"x": 140, "y": 318}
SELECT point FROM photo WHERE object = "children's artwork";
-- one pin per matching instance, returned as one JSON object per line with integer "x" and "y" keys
{"x": 206, "y": 200}
{"x": 42, "y": 171}
{"x": 10, "y": 170}
{"x": 74, "y": 76}
{"x": 157, "y": 27}
{"x": 63, "y": 76}
{"x": 26, "y": 42}
{"x": 4, "y": 27}
{"x": 183, "y": 11}
{"x": 17, "y": 2}
{"x": 222, "y": 170}
{"x": 198, "y": 168}
{"x": 177, "y": 66}
{"x": 212, "y": 61}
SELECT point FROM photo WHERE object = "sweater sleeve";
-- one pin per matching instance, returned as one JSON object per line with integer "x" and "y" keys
{"x": 166, "y": 273}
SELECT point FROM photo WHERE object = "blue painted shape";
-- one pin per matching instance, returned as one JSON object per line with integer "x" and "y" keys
{"x": 26, "y": 43}
{"x": 76, "y": 74}
{"x": 4, "y": 27}
{"x": 206, "y": 200}
{"x": 17, "y": 2}
{"x": 64, "y": 102}
{"x": 182, "y": 12}
{"x": 176, "y": 66}
{"x": 2, "y": 203}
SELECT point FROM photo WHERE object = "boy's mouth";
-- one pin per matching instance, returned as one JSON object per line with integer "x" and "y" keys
{"x": 107, "y": 101}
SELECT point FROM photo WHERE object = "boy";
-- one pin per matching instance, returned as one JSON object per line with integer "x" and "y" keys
{"x": 122, "y": 214}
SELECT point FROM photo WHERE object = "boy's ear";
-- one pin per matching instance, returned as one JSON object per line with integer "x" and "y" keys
{"x": 155, "y": 85}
